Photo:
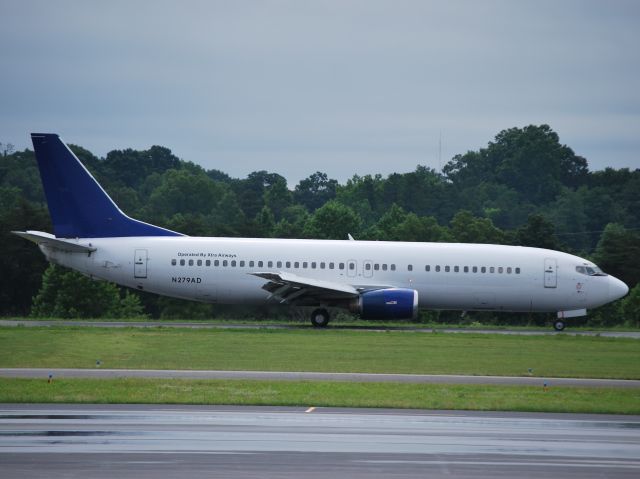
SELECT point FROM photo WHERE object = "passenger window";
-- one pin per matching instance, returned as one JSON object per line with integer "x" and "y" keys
{"x": 492, "y": 269}
{"x": 447, "y": 269}
{"x": 242, "y": 264}
{"x": 367, "y": 266}
{"x": 279, "y": 264}
{"x": 233, "y": 263}
{"x": 304, "y": 264}
{"x": 296, "y": 264}
{"x": 251, "y": 264}
{"x": 466, "y": 269}
{"x": 270, "y": 264}
{"x": 517, "y": 270}
{"x": 393, "y": 267}
{"x": 437, "y": 268}
{"x": 483, "y": 269}
{"x": 173, "y": 262}
{"x": 216, "y": 263}
{"x": 509, "y": 270}
{"x": 181, "y": 262}
{"x": 313, "y": 265}
{"x": 260, "y": 264}
{"x": 475, "y": 269}
{"x": 456, "y": 269}
{"x": 208, "y": 262}
{"x": 500, "y": 270}
{"x": 331, "y": 265}
{"x": 352, "y": 266}
{"x": 410, "y": 267}
{"x": 322, "y": 265}
{"x": 427, "y": 268}
{"x": 376, "y": 267}
{"x": 341, "y": 265}
{"x": 190, "y": 262}
{"x": 288, "y": 264}
{"x": 225, "y": 263}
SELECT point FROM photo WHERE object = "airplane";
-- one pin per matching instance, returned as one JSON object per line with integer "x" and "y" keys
{"x": 374, "y": 279}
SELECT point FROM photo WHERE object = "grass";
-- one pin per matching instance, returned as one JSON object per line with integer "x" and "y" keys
{"x": 325, "y": 351}
{"x": 328, "y": 394}
{"x": 340, "y": 322}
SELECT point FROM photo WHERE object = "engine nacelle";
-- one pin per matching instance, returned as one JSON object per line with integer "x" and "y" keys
{"x": 391, "y": 303}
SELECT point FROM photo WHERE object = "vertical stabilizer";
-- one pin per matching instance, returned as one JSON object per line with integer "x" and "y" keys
{"x": 78, "y": 205}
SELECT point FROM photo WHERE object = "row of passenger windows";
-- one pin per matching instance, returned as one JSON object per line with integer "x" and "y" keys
{"x": 278, "y": 264}
{"x": 351, "y": 265}
{"x": 472, "y": 269}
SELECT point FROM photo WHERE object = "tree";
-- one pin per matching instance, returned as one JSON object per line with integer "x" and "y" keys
{"x": 539, "y": 232}
{"x": 529, "y": 160}
{"x": 68, "y": 294}
{"x": 468, "y": 229}
{"x": 21, "y": 262}
{"x": 265, "y": 222}
{"x": 131, "y": 167}
{"x": 6, "y": 149}
{"x": 618, "y": 253}
{"x": 386, "y": 228}
{"x": 277, "y": 197}
{"x": 251, "y": 191}
{"x": 294, "y": 219}
{"x": 364, "y": 195}
{"x": 630, "y": 307}
{"x": 333, "y": 221}
{"x": 315, "y": 191}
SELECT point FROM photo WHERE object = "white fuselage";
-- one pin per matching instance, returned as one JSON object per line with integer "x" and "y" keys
{"x": 446, "y": 275}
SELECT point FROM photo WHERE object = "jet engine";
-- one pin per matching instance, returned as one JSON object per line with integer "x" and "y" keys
{"x": 391, "y": 303}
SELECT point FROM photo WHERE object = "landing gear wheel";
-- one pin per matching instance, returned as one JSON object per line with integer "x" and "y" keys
{"x": 558, "y": 325}
{"x": 320, "y": 318}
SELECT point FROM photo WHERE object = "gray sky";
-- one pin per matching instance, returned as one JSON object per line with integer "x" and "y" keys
{"x": 344, "y": 87}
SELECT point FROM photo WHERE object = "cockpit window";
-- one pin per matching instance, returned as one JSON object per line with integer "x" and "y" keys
{"x": 590, "y": 271}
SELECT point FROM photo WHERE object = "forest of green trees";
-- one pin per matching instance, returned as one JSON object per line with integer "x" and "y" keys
{"x": 524, "y": 188}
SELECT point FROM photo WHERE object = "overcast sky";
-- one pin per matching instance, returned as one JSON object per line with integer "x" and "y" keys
{"x": 344, "y": 87}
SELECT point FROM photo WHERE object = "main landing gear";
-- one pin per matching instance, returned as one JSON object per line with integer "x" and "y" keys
{"x": 320, "y": 318}
{"x": 558, "y": 325}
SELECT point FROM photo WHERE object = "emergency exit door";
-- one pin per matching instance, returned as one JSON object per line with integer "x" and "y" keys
{"x": 140, "y": 264}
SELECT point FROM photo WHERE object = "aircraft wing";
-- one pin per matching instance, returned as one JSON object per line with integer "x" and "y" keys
{"x": 287, "y": 287}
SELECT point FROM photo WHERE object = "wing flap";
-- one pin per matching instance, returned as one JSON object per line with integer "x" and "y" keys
{"x": 287, "y": 287}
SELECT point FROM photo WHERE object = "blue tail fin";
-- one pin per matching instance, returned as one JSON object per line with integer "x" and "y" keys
{"x": 78, "y": 205}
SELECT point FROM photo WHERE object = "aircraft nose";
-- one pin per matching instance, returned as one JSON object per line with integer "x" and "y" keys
{"x": 617, "y": 288}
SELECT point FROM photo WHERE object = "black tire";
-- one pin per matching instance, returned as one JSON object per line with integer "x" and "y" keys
{"x": 320, "y": 318}
{"x": 558, "y": 325}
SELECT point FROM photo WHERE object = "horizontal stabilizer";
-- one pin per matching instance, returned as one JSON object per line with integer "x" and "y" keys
{"x": 46, "y": 239}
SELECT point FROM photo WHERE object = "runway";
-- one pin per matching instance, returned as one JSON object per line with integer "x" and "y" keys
{"x": 314, "y": 376}
{"x": 96, "y": 441}
{"x": 257, "y": 325}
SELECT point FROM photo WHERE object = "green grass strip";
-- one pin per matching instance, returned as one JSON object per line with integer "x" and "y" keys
{"x": 328, "y": 394}
{"x": 322, "y": 351}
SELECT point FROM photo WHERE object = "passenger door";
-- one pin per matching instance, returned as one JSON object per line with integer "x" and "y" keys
{"x": 550, "y": 273}
{"x": 140, "y": 263}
